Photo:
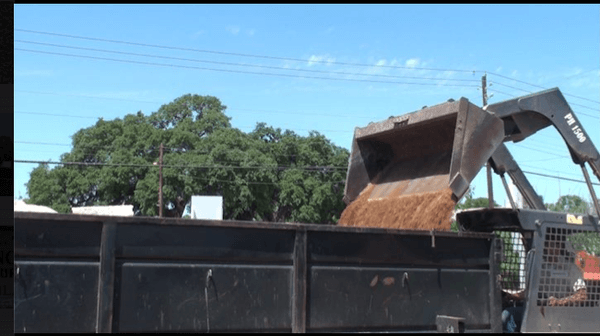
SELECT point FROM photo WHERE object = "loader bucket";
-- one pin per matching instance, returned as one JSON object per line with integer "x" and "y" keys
{"x": 436, "y": 148}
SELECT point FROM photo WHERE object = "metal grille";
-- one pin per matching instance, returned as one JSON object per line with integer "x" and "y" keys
{"x": 559, "y": 271}
{"x": 512, "y": 267}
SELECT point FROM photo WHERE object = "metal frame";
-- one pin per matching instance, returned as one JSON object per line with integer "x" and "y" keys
{"x": 192, "y": 275}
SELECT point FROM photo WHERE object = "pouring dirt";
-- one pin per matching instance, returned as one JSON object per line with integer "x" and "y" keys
{"x": 420, "y": 211}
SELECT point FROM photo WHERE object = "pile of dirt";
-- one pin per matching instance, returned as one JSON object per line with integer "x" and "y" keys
{"x": 421, "y": 211}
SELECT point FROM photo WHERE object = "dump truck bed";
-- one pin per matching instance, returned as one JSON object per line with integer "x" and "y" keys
{"x": 76, "y": 273}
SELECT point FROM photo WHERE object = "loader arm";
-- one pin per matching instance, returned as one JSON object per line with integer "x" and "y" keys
{"x": 502, "y": 162}
{"x": 523, "y": 116}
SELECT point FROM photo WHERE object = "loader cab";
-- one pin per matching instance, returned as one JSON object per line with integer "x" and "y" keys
{"x": 548, "y": 265}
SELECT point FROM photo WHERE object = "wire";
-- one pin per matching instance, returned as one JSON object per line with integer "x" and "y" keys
{"x": 245, "y": 65}
{"x": 237, "y": 54}
{"x": 549, "y": 170}
{"x": 156, "y": 150}
{"x": 229, "y": 110}
{"x": 582, "y": 73}
{"x": 42, "y": 143}
{"x": 308, "y": 168}
{"x": 56, "y": 115}
{"x": 237, "y": 71}
{"x": 559, "y": 178}
{"x": 574, "y": 104}
{"x": 87, "y": 96}
{"x": 541, "y": 87}
{"x": 169, "y": 166}
{"x": 540, "y": 160}
{"x": 498, "y": 91}
{"x": 537, "y": 150}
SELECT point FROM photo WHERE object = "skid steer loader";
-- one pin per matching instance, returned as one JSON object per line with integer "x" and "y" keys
{"x": 551, "y": 260}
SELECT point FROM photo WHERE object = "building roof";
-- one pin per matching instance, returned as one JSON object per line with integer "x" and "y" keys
{"x": 106, "y": 210}
{"x": 21, "y": 206}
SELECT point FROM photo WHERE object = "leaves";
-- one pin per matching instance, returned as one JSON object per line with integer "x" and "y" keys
{"x": 266, "y": 175}
{"x": 571, "y": 204}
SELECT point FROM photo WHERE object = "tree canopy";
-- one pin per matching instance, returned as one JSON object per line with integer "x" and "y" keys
{"x": 571, "y": 204}
{"x": 469, "y": 202}
{"x": 265, "y": 175}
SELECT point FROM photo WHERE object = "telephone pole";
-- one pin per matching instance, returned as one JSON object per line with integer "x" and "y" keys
{"x": 488, "y": 166}
{"x": 160, "y": 182}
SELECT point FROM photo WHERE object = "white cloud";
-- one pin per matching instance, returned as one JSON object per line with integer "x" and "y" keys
{"x": 380, "y": 62}
{"x": 411, "y": 63}
{"x": 250, "y": 32}
{"x": 447, "y": 74}
{"x": 499, "y": 69}
{"x": 314, "y": 59}
{"x": 198, "y": 33}
{"x": 514, "y": 73}
{"x": 574, "y": 72}
{"x": 233, "y": 29}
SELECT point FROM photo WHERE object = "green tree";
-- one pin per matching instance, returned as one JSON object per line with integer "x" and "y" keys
{"x": 470, "y": 203}
{"x": 265, "y": 175}
{"x": 571, "y": 204}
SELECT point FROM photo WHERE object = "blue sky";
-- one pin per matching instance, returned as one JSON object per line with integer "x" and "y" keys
{"x": 523, "y": 48}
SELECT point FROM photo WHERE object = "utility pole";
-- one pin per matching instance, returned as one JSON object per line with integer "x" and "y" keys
{"x": 160, "y": 182}
{"x": 488, "y": 166}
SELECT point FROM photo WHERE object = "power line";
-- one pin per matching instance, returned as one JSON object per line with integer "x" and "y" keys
{"x": 237, "y": 54}
{"x": 42, "y": 143}
{"x": 100, "y": 164}
{"x": 549, "y": 170}
{"x": 540, "y": 160}
{"x": 582, "y": 73}
{"x": 559, "y": 177}
{"x": 245, "y": 65}
{"x": 237, "y": 71}
{"x": 57, "y": 115}
{"x": 200, "y": 151}
{"x": 232, "y": 110}
{"x": 537, "y": 150}
{"x": 236, "y": 110}
{"x": 87, "y": 96}
{"x": 504, "y": 93}
{"x": 171, "y": 166}
{"x": 574, "y": 104}
{"x": 148, "y": 150}
{"x": 541, "y": 87}
{"x": 287, "y": 58}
